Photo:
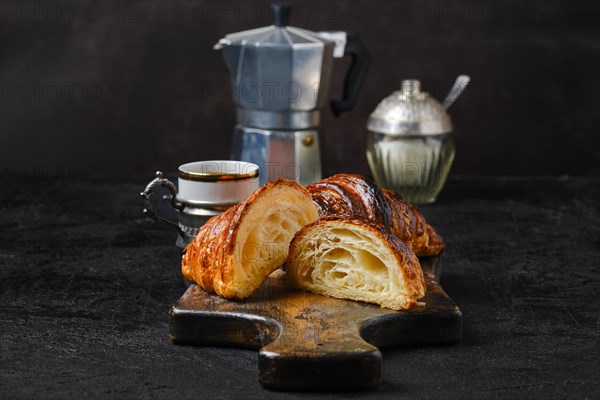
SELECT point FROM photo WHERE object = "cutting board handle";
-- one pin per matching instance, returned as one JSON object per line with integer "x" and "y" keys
{"x": 324, "y": 353}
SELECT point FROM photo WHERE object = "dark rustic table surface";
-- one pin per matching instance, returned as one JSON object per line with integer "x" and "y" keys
{"x": 86, "y": 282}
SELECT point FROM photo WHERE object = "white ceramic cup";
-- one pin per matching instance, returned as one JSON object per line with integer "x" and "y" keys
{"x": 217, "y": 182}
{"x": 206, "y": 188}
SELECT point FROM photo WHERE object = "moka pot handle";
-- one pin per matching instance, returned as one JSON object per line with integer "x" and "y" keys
{"x": 355, "y": 76}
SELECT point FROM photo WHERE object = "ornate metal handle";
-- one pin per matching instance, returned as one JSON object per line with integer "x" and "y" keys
{"x": 171, "y": 198}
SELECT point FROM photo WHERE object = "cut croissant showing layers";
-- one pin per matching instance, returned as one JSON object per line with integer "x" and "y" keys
{"x": 359, "y": 196}
{"x": 234, "y": 252}
{"x": 351, "y": 258}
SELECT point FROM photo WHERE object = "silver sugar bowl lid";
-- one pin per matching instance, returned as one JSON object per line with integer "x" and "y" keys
{"x": 410, "y": 112}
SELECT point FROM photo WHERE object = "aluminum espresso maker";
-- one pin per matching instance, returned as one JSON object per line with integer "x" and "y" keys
{"x": 281, "y": 77}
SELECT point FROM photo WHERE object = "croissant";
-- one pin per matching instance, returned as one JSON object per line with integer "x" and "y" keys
{"x": 234, "y": 252}
{"x": 352, "y": 258}
{"x": 359, "y": 196}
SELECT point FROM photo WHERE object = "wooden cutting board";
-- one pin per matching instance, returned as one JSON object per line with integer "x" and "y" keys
{"x": 311, "y": 342}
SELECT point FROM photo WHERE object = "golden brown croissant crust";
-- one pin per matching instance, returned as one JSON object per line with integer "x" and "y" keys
{"x": 359, "y": 196}
{"x": 235, "y": 251}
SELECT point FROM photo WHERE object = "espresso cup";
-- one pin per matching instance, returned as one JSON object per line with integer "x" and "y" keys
{"x": 217, "y": 182}
{"x": 206, "y": 188}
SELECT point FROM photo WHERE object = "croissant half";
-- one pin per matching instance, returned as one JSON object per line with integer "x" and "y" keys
{"x": 235, "y": 251}
{"x": 359, "y": 196}
{"x": 351, "y": 258}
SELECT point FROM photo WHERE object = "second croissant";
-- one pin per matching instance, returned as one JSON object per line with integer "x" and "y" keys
{"x": 359, "y": 196}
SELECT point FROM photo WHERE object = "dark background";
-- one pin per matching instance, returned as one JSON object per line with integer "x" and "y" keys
{"x": 117, "y": 87}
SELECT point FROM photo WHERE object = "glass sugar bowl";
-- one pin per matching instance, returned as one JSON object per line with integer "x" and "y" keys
{"x": 410, "y": 148}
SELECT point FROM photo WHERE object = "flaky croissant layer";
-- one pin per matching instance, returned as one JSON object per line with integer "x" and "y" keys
{"x": 359, "y": 196}
{"x": 351, "y": 258}
{"x": 235, "y": 251}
